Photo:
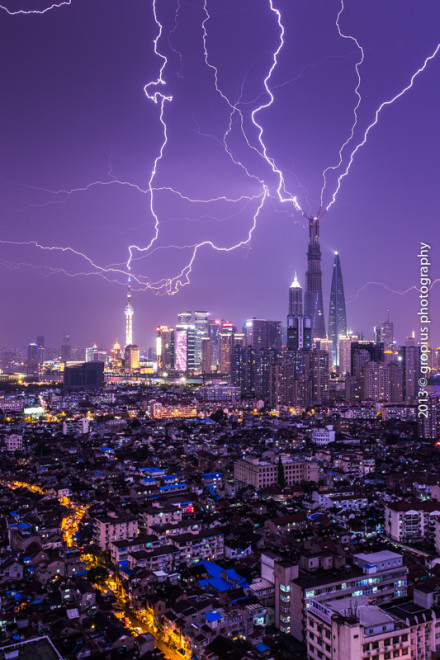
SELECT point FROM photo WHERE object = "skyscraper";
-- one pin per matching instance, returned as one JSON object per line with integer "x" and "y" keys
{"x": 184, "y": 336}
{"x": 66, "y": 349}
{"x": 165, "y": 347}
{"x": 32, "y": 359}
{"x": 41, "y": 349}
{"x": 337, "y": 322}
{"x": 129, "y": 317}
{"x": 214, "y": 328}
{"x": 385, "y": 332}
{"x": 131, "y": 357}
{"x": 313, "y": 305}
{"x": 201, "y": 330}
{"x": 410, "y": 354}
{"x": 299, "y": 330}
{"x": 295, "y": 298}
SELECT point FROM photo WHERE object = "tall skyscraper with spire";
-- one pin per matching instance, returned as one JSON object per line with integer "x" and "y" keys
{"x": 295, "y": 298}
{"x": 299, "y": 332}
{"x": 313, "y": 305}
{"x": 129, "y": 311}
{"x": 337, "y": 319}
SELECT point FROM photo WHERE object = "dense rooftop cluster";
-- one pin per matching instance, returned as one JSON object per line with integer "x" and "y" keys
{"x": 236, "y": 532}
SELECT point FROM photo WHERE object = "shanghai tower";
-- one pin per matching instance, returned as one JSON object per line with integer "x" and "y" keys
{"x": 337, "y": 323}
{"x": 313, "y": 305}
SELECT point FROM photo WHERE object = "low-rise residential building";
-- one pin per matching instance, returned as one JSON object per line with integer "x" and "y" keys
{"x": 341, "y": 500}
{"x": 261, "y": 473}
{"x": 411, "y": 521}
{"x": 113, "y": 528}
{"x": 352, "y": 628}
{"x": 14, "y": 442}
{"x": 323, "y": 436}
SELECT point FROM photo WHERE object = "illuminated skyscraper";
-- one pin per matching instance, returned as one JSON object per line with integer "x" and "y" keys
{"x": 313, "y": 305}
{"x": 131, "y": 357}
{"x": 337, "y": 322}
{"x": 295, "y": 298}
{"x": 184, "y": 336}
{"x": 201, "y": 331}
{"x": 299, "y": 331}
{"x": 129, "y": 317}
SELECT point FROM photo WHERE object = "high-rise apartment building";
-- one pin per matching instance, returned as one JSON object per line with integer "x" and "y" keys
{"x": 410, "y": 354}
{"x": 429, "y": 416}
{"x": 382, "y": 382}
{"x": 251, "y": 371}
{"x": 89, "y": 375}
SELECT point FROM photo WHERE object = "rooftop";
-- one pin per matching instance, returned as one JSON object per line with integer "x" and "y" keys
{"x": 40, "y": 648}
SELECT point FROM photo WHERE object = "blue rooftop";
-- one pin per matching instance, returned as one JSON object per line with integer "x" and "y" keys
{"x": 261, "y": 647}
{"x": 216, "y": 580}
{"x": 213, "y": 616}
{"x": 173, "y": 486}
{"x": 217, "y": 583}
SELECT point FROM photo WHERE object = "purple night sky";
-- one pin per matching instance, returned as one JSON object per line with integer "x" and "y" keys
{"x": 73, "y": 113}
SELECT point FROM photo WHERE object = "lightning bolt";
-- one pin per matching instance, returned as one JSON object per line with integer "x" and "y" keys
{"x": 152, "y": 91}
{"x": 233, "y": 108}
{"x": 67, "y": 193}
{"x": 387, "y": 288}
{"x": 282, "y": 193}
{"x": 172, "y": 285}
{"x": 170, "y": 42}
{"x": 55, "y": 5}
{"x": 262, "y": 151}
{"x": 355, "y": 110}
{"x": 376, "y": 119}
{"x": 156, "y": 91}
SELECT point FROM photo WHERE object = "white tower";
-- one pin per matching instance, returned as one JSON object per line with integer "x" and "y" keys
{"x": 129, "y": 317}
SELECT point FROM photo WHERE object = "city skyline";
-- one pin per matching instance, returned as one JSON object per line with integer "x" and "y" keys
{"x": 64, "y": 129}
